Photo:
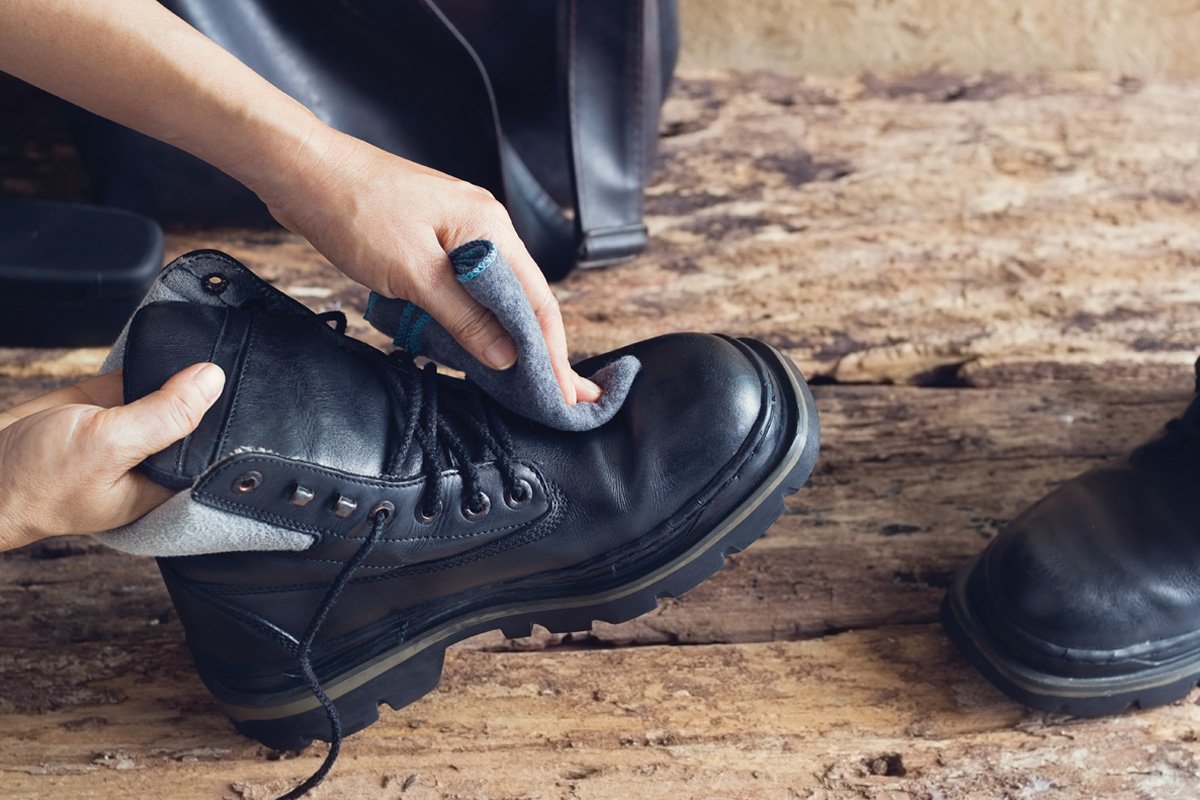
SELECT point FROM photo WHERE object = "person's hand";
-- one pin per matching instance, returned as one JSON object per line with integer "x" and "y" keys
{"x": 389, "y": 223}
{"x": 67, "y": 459}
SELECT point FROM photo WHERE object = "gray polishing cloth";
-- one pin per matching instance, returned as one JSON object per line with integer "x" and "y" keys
{"x": 529, "y": 387}
{"x": 183, "y": 527}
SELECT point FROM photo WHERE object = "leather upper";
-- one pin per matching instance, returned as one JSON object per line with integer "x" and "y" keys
{"x": 305, "y": 406}
{"x": 1105, "y": 569}
{"x": 291, "y": 391}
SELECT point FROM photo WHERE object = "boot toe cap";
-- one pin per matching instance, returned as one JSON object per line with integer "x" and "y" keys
{"x": 1092, "y": 567}
{"x": 696, "y": 402}
{"x": 699, "y": 404}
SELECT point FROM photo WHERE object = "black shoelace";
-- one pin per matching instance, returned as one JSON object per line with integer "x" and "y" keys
{"x": 304, "y": 655}
{"x": 420, "y": 423}
{"x": 425, "y": 424}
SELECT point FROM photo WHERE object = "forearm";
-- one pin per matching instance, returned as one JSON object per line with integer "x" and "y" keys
{"x": 134, "y": 62}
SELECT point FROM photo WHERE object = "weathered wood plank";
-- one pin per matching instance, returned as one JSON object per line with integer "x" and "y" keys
{"x": 885, "y": 713}
{"x": 970, "y": 229}
{"x": 882, "y": 231}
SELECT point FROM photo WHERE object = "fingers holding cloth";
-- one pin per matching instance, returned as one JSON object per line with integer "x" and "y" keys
{"x": 530, "y": 387}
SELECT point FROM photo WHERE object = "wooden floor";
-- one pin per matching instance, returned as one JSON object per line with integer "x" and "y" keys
{"x": 994, "y": 283}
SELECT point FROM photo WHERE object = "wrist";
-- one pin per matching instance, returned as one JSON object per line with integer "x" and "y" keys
{"x": 322, "y": 170}
{"x": 276, "y": 152}
{"x": 14, "y": 535}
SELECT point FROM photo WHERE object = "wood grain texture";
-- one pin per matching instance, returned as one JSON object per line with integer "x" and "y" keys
{"x": 881, "y": 713}
{"x": 98, "y": 698}
{"x": 994, "y": 281}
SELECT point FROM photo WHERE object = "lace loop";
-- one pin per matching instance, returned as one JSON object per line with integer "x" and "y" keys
{"x": 426, "y": 425}
{"x": 380, "y": 521}
{"x": 338, "y": 318}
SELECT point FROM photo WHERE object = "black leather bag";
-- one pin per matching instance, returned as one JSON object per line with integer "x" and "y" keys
{"x": 552, "y": 105}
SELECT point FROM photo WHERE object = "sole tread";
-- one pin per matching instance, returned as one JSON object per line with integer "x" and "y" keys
{"x": 1046, "y": 692}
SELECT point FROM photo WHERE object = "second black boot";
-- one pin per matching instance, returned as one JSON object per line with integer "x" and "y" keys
{"x": 1088, "y": 603}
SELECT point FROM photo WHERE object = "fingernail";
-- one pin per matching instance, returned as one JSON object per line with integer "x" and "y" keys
{"x": 590, "y": 385}
{"x": 501, "y": 354}
{"x": 211, "y": 380}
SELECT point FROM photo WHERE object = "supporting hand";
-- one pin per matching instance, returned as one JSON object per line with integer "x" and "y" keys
{"x": 67, "y": 459}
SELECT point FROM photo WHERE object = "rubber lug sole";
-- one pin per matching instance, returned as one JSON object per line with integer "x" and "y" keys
{"x": 1056, "y": 694}
{"x": 419, "y": 673}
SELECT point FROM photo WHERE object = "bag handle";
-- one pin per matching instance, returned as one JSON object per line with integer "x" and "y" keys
{"x": 614, "y": 88}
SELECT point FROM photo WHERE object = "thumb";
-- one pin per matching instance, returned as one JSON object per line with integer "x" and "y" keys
{"x": 162, "y": 418}
{"x": 477, "y": 330}
{"x": 463, "y": 317}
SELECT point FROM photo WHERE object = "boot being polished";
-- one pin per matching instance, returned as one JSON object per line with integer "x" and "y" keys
{"x": 359, "y": 514}
{"x": 1088, "y": 603}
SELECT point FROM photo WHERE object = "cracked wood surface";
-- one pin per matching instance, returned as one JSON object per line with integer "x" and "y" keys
{"x": 880, "y": 713}
{"x": 991, "y": 234}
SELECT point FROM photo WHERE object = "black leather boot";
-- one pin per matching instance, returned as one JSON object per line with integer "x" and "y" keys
{"x": 1088, "y": 603}
{"x": 430, "y": 514}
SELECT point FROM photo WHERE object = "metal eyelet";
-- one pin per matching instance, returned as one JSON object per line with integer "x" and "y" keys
{"x": 518, "y": 495}
{"x": 477, "y": 507}
{"x": 344, "y": 507}
{"x": 385, "y": 508}
{"x": 424, "y": 515}
{"x": 302, "y": 496}
{"x": 215, "y": 283}
{"x": 247, "y": 482}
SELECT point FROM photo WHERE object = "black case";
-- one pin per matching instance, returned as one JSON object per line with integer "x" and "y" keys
{"x": 552, "y": 106}
{"x": 71, "y": 275}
